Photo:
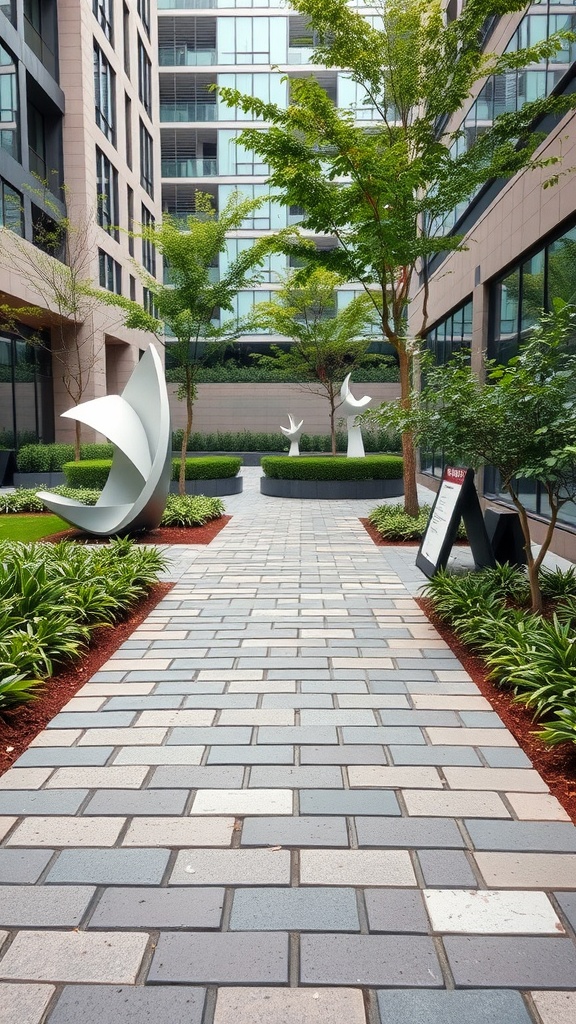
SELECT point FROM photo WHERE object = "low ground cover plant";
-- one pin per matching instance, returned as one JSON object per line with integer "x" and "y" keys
{"x": 191, "y": 510}
{"x": 532, "y": 654}
{"x": 181, "y": 510}
{"x": 372, "y": 467}
{"x": 53, "y": 597}
{"x": 213, "y": 467}
{"x": 393, "y": 523}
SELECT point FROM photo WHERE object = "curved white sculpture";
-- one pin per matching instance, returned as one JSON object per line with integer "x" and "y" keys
{"x": 293, "y": 432}
{"x": 350, "y": 408}
{"x": 137, "y": 422}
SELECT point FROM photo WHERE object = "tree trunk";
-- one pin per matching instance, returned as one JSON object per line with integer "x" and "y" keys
{"x": 411, "y": 506}
{"x": 532, "y": 566}
{"x": 185, "y": 437}
{"x": 332, "y": 422}
{"x": 77, "y": 440}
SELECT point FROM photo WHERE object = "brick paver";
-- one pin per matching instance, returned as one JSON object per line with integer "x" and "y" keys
{"x": 283, "y": 799}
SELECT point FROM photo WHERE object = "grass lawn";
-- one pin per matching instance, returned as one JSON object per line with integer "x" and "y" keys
{"x": 30, "y": 527}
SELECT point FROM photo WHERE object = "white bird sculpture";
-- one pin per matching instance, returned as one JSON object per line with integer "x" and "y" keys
{"x": 137, "y": 422}
{"x": 350, "y": 408}
{"x": 293, "y": 432}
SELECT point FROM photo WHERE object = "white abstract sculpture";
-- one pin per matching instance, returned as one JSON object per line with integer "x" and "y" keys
{"x": 351, "y": 407}
{"x": 138, "y": 425}
{"x": 293, "y": 432}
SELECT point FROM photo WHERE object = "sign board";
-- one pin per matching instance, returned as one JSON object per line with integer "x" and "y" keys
{"x": 457, "y": 499}
{"x": 505, "y": 535}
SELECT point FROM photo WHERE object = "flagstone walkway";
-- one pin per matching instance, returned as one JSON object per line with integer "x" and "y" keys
{"x": 283, "y": 801}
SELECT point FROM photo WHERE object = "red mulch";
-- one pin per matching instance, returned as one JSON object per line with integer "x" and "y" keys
{"x": 556, "y": 765}
{"x": 162, "y": 535}
{"x": 383, "y": 542}
{"x": 19, "y": 727}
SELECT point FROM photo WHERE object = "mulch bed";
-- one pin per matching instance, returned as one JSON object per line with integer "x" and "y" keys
{"x": 556, "y": 765}
{"x": 162, "y": 535}
{"x": 381, "y": 541}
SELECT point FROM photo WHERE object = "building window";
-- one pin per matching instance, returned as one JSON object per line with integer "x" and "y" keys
{"x": 144, "y": 12}
{"x": 8, "y": 9}
{"x": 132, "y": 288}
{"x": 144, "y": 78}
{"x": 443, "y": 341}
{"x": 104, "y": 95}
{"x": 148, "y": 247}
{"x": 148, "y": 302}
{"x": 27, "y": 406}
{"x": 128, "y": 128}
{"x": 107, "y": 194}
{"x": 9, "y": 130}
{"x": 130, "y": 203}
{"x": 104, "y": 14}
{"x": 126, "y": 38}
{"x": 40, "y": 31}
{"x": 11, "y": 209}
{"x": 146, "y": 161}
{"x": 110, "y": 272}
{"x": 36, "y": 142}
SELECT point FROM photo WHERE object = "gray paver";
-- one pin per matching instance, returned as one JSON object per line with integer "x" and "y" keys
{"x": 212, "y": 958}
{"x": 109, "y": 867}
{"x": 434, "y": 755}
{"x": 317, "y": 909}
{"x": 128, "y": 1004}
{"x": 526, "y": 836}
{"x": 383, "y": 734}
{"x": 302, "y": 831}
{"x": 422, "y": 833}
{"x": 396, "y": 910}
{"x": 297, "y": 734}
{"x": 62, "y": 756}
{"x": 455, "y": 1007}
{"x": 31, "y": 906}
{"x": 518, "y": 962}
{"x": 505, "y": 757}
{"x": 251, "y": 755}
{"x": 21, "y": 867}
{"x": 322, "y": 777}
{"x": 91, "y": 720}
{"x": 391, "y": 960}
{"x": 567, "y": 903}
{"x": 447, "y": 868}
{"x": 22, "y": 801}
{"x": 348, "y": 754}
{"x": 159, "y": 908}
{"x": 347, "y": 801}
{"x": 130, "y": 801}
{"x": 218, "y": 734}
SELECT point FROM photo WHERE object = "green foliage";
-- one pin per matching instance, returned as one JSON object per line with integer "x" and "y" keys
{"x": 557, "y": 584}
{"x": 88, "y": 474}
{"x": 393, "y": 523}
{"x": 191, "y": 510}
{"x": 52, "y": 597}
{"x": 23, "y": 499}
{"x": 50, "y": 458}
{"x": 212, "y": 468}
{"x": 15, "y": 689}
{"x": 375, "y": 440}
{"x": 86, "y": 495}
{"x": 231, "y": 372}
{"x": 30, "y": 527}
{"x": 372, "y": 467}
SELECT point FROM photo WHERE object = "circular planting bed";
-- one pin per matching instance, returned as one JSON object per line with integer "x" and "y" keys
{"x": 213, "y": 476}
{"x": 332, "y": 477}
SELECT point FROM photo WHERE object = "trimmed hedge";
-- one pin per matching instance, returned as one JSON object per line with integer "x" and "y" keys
{"x": 372, "y": 467}
{"x": 211, "y": 468}
{"x": 50, "y": 458}
{"x": 375, "y": 440}
{"x": 90, "y": 473}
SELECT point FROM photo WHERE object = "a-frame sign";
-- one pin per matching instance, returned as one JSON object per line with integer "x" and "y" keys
{"x": 457, "y": 499}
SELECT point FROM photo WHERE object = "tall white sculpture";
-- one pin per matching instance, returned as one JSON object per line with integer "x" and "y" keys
{"x": 137, "y": 422}
{"x": 293, "y": 432}
{"x": 350, "y": 408}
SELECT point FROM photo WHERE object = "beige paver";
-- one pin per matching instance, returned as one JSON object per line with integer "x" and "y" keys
{"x": 394, "y": 777}
{"x": 521, "y": 780}
{"x": 174, "y": 832}
{"x": 134, "y": 664}
{"x": 356, "y": 867}
{"x": 127, "y": 737}
{"x": 75, "y": 956}
{"x": 537, "y": 807}
{"x": 24, "y": 1003}
{"x": 289, "y": 1006}
{"x": 98, "y": 778}
{"x": 159, "y": 755}
{"x": 61, "y": 830}
{"x": 232, "y": 867}
{"x": 491, "y": 912}
{"x": 84, "y": 703}
{"x": 257, "y": 716}
{"x": 56, "y": 738}
{"x": 25, "y": 778}
{"x": 471, "y": 737}
{"x": 372, "y": 700}
{"x": 447, "y": 702}
{"x": 555, "y": 1007}
{"x": 5, "y": 825}
{"x": 243, "y": 801}
{"x": 178, "y": 717}
{"x": 455, "y": 804}
{"x": 527, "y": 870}
{"x": 116, "y": 689}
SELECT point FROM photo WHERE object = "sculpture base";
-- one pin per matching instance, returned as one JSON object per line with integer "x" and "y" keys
{"x": 333, "y": 490}
{"x": 216, "y": 488}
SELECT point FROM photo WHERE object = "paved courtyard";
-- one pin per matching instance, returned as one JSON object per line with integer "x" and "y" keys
{"x": 283, "y": 800}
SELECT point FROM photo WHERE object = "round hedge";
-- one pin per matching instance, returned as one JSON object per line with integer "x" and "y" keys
{"x": 372, "y": 467}
{"x": 217, "y": 467}
{"x": 87, "y": 473}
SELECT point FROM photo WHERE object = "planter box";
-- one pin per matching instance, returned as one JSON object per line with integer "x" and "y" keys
{"x": 211, "y": 488}
{"x": 38, "y": 479}
{"x": 7, "y": 466}
{"x": 334, "y": 490}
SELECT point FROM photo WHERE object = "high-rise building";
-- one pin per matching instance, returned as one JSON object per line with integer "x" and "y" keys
{"x": 520, "y": 239}
{"x": 78, "y": 139}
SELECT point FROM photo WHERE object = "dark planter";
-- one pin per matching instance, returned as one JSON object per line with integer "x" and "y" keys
{"x": 7, "y": 466}
{"x": 211, "y": 488}
{"x": 38, "y": 479}
{"x": 331, "y": 489}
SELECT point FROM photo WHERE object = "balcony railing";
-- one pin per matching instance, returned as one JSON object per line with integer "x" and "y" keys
{"x": 185, "y": 56}
{"x": 182, "y": 5}
{"x": 197, "y": 168}
{"x": 184, "y": 111}
{"x": 300, "y": 54}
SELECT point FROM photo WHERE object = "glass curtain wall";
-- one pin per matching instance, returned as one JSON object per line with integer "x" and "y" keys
{"x": 445, "y": 339}
{"x": 26, "y": 403}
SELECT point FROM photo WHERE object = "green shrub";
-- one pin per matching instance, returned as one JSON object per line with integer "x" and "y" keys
{"x": 191, "y": 510}
{"x": 92, "y": 473}
{"x": 375, "y": 440}
{"x": 558, "y": 583}
{"x": 22, "y": 499}
{"x": 214, "y": 468}
{"x": 50, "y": 458}
{"x": 372, "y": 467}
{"x": 86, "y": 495}
{"x": 393, "y": 523}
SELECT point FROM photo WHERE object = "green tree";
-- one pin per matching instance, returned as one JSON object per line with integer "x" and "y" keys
{"x": 521, "y": 420}
{"x": 382, "y": 189}
{"x": 326, "y": 344}
{"x": 189, "y": 306}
